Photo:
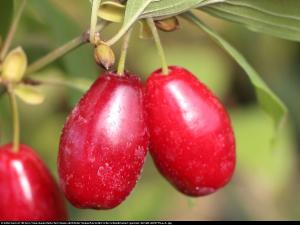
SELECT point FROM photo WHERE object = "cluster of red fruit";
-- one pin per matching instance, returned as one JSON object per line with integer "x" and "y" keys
{"x": 105, "y": 140}
{"x": 106, "y": 137}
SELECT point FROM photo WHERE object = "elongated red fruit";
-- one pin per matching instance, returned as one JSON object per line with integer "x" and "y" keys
{"x": 104, "y": 143}
{"x": 28, "y": 192}
{"x": 191, "y": 139}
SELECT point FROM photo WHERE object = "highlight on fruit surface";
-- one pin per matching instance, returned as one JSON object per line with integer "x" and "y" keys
{"x": 104, "y": 143}
{"x": 28, "y": 192}
{"x": 191, "y": 138}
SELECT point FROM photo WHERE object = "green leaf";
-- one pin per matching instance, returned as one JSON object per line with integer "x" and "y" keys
{"x": 267, "y": 99}
{"x": 29, "y": 94}
{"x": 112, "y": 11}
{"x": 166, "y": 8}
{"x": 139, "y": 9}
{"x": 280, "y": 18}
{"x": 134, "y": 9}
{"x": 6, "y": 13}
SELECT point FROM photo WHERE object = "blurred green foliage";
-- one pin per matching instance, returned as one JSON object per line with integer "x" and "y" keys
{"x": 5, "y": 17}
{"x": 267, "y": 179}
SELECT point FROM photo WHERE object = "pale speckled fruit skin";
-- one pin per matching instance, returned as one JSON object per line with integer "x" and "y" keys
{"x": 191, "y": 138}
{"x": 104, "y": 143}
{"x": 28, "y": 192}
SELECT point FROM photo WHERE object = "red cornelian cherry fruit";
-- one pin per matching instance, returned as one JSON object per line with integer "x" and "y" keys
{"x": 28, "y": 192}
{"x": 191, "y": 138}
{"x": 104, "y": 143}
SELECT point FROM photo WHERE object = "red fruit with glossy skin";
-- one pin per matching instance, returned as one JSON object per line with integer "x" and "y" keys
{"x": 104, "y": 143}
{"x": 191, "y": 138}
{"x": 28, "y": 192}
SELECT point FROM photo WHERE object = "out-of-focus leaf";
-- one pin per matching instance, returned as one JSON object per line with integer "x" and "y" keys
{"x": 6, "y": 12}
{"x": 29, "y": 94}
{"x": 45, "y": 139}
{"x": 167, "y": 8}
{"x": 79, "y": 63}
{"x": 253, "y": 131}
{"x": 63, "y": 29}
{"x": 267, "y": 99}
{"x": 2, "y": 90}
{"x": 134, "y": 9}
{"x": 279, "y": 18}
{"x": 112, "y": 11}
{"x": 137, "y": 9}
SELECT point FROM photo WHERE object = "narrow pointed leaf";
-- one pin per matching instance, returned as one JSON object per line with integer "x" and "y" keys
{"x": 167, "y": 8}
{"x": 134, "y": 9}
{"x": 279, "y": 18}
{"x": 266, "y": 98}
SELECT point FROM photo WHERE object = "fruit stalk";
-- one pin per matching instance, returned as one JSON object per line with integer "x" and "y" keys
{"x": 61, "y": 51}
{"x": 160, "y": 49}
{"x": 12, "y": 31}
{"x": 121, "y": 65}
{"x": 15, "y": 120}
{"x": 94, "y": 19}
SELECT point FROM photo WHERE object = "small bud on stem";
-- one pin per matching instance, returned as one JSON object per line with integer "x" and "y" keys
{"x": 168, "y": 25}
{"x": 14, "y": 65}
{"x": 104, "y": 56}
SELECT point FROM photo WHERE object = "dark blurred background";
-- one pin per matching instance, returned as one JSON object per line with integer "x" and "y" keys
{"x": 266, "y": 185}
